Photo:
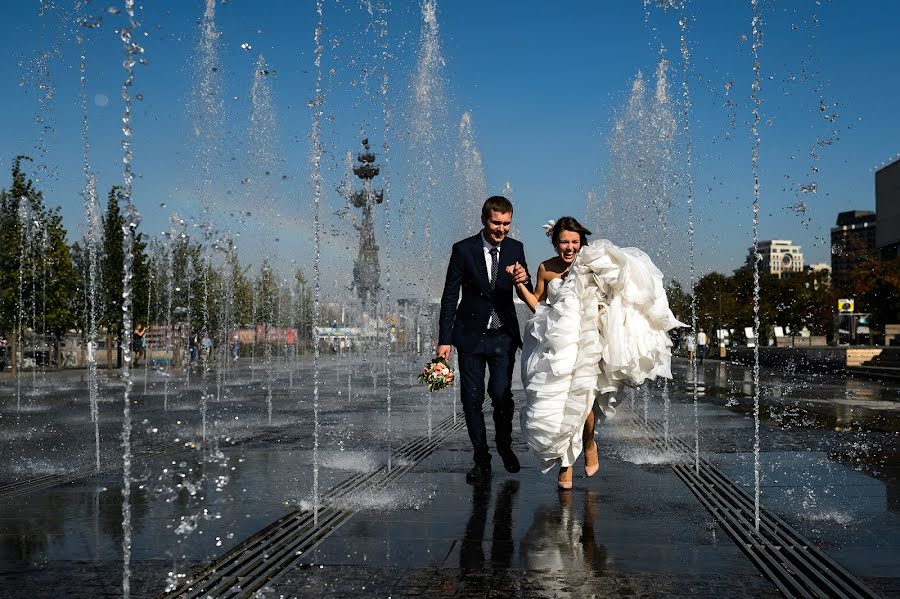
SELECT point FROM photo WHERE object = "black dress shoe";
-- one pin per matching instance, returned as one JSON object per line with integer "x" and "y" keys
{"x": 510, "y": 461}
{"x": 480, "y": 473}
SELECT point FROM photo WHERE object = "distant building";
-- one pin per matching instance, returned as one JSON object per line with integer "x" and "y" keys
{"x": 852, "y": 246}
{"x": 821, "y": 273}
{"x": 887, "y": 206}
{"x": 779, "y": 257}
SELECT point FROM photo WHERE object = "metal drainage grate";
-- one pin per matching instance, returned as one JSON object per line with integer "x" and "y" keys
{"x": 256, "y": 562}
{"x": 791, "y": 562}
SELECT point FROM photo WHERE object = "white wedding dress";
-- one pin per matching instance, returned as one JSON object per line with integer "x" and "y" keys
{"x": 604, "y": 326}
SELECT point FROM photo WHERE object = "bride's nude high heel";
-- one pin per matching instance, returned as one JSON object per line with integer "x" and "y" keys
{"x": 564, "y": 479}
{"x": 591, "y": 469}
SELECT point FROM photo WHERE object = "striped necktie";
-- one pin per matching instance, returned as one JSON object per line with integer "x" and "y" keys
{"x": 494, "y": 323}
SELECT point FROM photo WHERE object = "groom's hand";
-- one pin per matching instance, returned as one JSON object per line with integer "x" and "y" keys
{"x": 519, "y": 274}
{"x": 443, "y": 351}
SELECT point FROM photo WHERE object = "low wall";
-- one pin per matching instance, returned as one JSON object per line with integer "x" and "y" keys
{"x": 892, "y": 334}
{"x": 797, "y": 341}
{"x": 856, "y": 356}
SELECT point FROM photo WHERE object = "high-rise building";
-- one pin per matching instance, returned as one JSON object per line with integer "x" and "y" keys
{"x": 852, "y": 246}
{"x": 779, "y": 257}
{"x": 887, "y": 207}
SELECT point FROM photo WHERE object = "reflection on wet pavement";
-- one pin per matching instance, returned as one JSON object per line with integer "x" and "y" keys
{"x": 559, "y": 539}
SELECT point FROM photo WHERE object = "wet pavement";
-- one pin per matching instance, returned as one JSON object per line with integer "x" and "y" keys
{"x": 829, "y": 468}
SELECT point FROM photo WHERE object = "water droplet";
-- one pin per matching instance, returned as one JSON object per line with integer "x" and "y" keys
{"x": 113, "y": 10}
{"x": 799, "y": 207}
{"x": 246, "y": 46}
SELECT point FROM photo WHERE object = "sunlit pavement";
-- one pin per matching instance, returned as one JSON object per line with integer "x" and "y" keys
{"x": 828, "y": 466}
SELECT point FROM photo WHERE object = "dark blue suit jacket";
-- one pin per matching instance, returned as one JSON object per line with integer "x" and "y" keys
{"x": 462, "y": 325}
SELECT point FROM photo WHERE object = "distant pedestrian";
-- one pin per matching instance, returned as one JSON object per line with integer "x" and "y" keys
{"x": 137, "y": 343}
{"x": 206, "y": 346}
{"x": 690, "y": 345}
{"x": 290, "y": 342}
{"x": 193, "y": 344}
{"x": 702, "y": 342}
{"x": 235, "y": 346}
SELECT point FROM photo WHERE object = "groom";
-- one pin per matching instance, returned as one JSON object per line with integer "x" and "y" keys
{"x": 484, "y": 328}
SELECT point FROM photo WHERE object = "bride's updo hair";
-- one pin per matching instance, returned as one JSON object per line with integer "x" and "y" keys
{"x": 568, "y": 223}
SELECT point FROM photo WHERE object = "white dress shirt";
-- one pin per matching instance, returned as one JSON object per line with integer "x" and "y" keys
{"x": 487, "y": 247}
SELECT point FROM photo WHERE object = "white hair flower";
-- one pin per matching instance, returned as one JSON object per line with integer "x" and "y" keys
{"x": 548, "y": 227}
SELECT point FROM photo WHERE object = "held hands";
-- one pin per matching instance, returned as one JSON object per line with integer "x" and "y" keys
{"x": 518, "y": 273}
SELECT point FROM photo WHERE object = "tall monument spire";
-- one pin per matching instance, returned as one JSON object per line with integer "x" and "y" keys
{"x": 366, "y": 271}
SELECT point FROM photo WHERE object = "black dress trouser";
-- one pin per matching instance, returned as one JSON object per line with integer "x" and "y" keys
{"x": 497, "y": 351}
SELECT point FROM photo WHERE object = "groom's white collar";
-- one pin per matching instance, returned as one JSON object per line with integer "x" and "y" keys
{"x": 487, "y": 244}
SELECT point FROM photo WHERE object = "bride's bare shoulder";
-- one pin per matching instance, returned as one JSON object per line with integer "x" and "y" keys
{"x": 549, "y": 267}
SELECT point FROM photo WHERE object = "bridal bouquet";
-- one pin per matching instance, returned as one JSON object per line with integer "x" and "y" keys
{"x": 436, "y": 375}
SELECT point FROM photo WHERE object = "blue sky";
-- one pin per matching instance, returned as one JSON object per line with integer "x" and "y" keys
{"x": 543, "y": 82}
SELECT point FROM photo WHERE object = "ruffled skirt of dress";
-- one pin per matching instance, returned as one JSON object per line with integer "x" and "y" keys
{"x": 606, "y": 325}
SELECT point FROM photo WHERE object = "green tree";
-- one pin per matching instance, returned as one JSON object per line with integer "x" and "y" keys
{"x": 679, "y": 301}
{"x": 62, "y": 286}
{"x": 876, "y": 289}
{"x": 112, "y": 267}
{"x": 111, "y": 263}
{"x": 266, "y": 294}
{"x": 37, "y": 276}
{"x": 242, "y": 291}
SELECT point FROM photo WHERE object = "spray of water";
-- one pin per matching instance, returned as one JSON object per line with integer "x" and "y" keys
{"x": 754, "y": 131}
{"x": 146, "y": 348}
{"x": 24, "y": 214}
{"x": 428, "y": 115}
{"x": 689, "y": 175}
{"x": 189, "y": 281}
{"x": 170, "y": 289}
{"x": 663, "y": 127}
{"x": 92, "y": 210}
{"x": 388, "y": 233}
{"x": 132, "y": 218}
{"x": 592, "y": 209}
{"x": 33, "y": 227}
{"x": 470, "y": 177}
{"x": 208, "y": 103}
{"x": 316, "y": 173}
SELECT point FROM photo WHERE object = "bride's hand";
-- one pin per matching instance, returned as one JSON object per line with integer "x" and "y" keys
{"x": 518, "y": 274}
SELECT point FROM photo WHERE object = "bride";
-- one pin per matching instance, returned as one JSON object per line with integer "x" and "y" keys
{"x": 601, "y": 321}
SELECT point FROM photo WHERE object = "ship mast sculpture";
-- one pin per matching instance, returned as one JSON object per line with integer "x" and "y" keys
{"x": 366, "y": 271}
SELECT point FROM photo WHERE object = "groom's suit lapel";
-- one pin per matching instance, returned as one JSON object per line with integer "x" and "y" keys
{"x": 505, "y": 259}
